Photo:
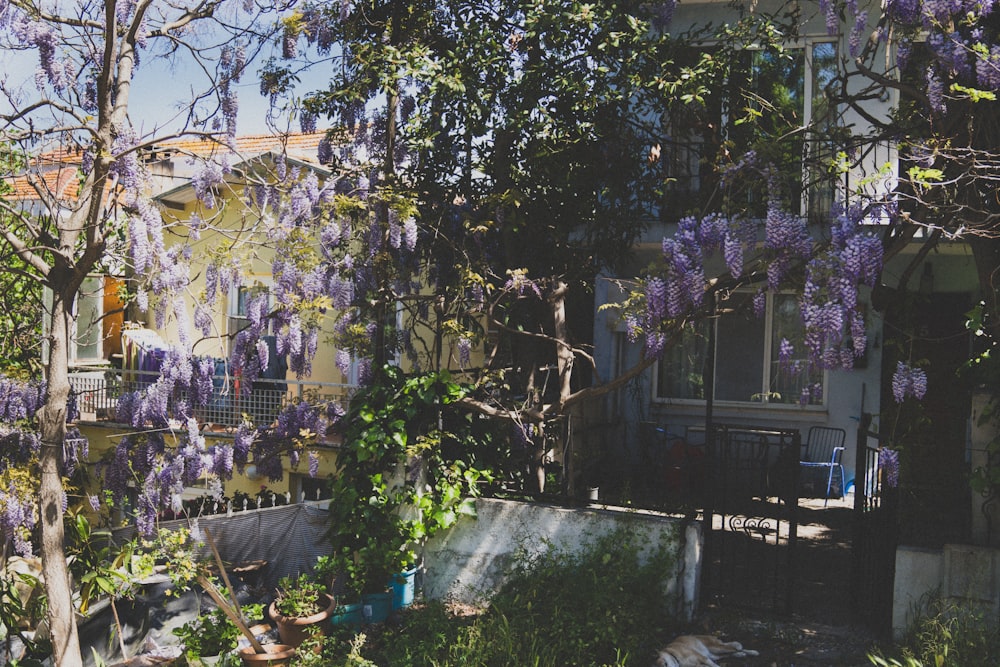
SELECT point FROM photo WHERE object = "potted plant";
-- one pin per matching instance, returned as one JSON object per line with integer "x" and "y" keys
{"x": 343, "y": 580}
{"x": 301, "y": 602}
{"x": 395, "y": 488}
{"x": 177, "y": 548}
{"x": 211, "y": 637}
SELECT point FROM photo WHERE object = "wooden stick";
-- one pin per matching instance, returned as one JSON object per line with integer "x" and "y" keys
{"x": 118, "y": 626}
{"x": 224, "y": 605}
{"x": 222, "y": 569}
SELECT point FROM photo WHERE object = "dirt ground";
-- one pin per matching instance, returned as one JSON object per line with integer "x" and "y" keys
{"x": 821, "y": 631}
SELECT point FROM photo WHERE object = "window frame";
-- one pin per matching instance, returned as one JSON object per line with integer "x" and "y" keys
{"x": 687, "y": 145}
{"x": 233, "y": 314}
{"x": 769, "y": 363}
{"x": 73, "y": 344}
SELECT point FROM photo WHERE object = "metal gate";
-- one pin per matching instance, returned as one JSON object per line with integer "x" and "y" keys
{"x": 751, "y": 525}
{"x": 875, "y": 530}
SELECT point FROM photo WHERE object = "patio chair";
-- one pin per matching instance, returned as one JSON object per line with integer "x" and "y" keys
{"x": 824, "y": 449}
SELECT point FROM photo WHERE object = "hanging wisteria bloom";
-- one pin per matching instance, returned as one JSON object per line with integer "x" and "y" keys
{"x": 908, "y": 381}
{"x": 464, "y": 351}
{"x": 888, "y": 461}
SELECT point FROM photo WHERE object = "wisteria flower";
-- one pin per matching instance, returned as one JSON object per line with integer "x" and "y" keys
{"x": 908, "y": 381}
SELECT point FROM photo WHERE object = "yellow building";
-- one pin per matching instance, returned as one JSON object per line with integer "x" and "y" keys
{"x": 118, "y": 346}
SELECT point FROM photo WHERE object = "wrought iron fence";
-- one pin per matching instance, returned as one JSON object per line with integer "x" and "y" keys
{"x": 99, "y": 389}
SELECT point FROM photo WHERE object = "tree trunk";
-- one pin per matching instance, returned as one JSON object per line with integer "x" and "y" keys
{"x": 52, "y": 424}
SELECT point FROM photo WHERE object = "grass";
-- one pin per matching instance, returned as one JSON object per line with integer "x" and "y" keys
{"x": 946, "y": 634}
{"x": 604, "y": 607}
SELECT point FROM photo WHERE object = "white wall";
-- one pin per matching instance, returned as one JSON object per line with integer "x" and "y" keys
{"x": 965, "y": 575}
{"x": 473, "y": 558}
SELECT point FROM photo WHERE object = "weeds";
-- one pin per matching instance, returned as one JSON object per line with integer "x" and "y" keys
{"x": 947, "y": 634}
{"x": 604, "y": 606}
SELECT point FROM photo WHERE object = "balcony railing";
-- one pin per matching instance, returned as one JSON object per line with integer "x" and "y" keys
{"x": 99, "y": 388}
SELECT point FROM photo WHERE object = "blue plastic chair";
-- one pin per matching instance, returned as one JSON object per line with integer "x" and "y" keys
{"x": 824, "y": 449}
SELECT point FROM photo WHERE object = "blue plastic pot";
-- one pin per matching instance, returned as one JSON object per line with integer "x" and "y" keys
{"x": 376, "y": 606}
{"x": 351, "y": 615}
{"x": 403, "y": 588}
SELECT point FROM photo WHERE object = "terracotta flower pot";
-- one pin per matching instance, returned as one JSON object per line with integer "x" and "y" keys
{"x": 277, "y": 655}
{"x": 293, "y": 631}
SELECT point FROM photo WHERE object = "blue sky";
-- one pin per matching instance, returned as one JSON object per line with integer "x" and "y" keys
{"x": 157, "y": 90}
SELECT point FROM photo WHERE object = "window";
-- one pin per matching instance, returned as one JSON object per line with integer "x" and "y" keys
{"x": 748, "y": 368}
{"x": 239, "y": 301}
{"x": 768, "y": 94}
{"x": 95, "y": 336}
{"x": 305, "y": 488}
{"x": 89, "y": 309}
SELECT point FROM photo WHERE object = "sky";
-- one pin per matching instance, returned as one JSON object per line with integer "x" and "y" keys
{"x": 158, "y": 88}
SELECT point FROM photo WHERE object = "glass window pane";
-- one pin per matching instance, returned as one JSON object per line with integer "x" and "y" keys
{"x": 822, "y": 182}
{"x": 739, "y": 351}
{"x": 824, "y": 71}
{"x": 89, "y": 307}
{"x": 791, "y": 380}
{"x": 681, "y": 370}
{"x": 768, "y": 101}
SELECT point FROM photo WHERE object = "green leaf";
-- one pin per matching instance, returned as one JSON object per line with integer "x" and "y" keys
{"x": 974, "y": 94}
{"x": 925, "y": 175}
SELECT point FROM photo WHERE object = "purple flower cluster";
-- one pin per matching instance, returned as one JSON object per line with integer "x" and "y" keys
{"x": 464, "y": 351}
{"x": 289, "y": 43}
{"x": 663, "y": 13}
{"x": 888, "y": 463}
{"x": 829, "y": 10}
{"x": 17, "y": 519}
{"x": 903, "y": 53}
{"x": 307, "y": 121}
{"x": 951, "y": 53}
{"x": 206, "y": 180}
{"x": 520, "y": 284}
{"x": 860, "y": 25}
{"x": 76, "y": 448}
{"x": 785, "y": 353}
{"x": 20, "y": 400}
{"x": 988, "y": 69}
{"x": 317, "y": 29}
{"x": 409, "y": 234}
{"x": 126, "y": 165}
{"x": 324, "y": 152}
{"x": 831, "y": 315}
{"x": 786, "y": 235}
{"x": 935, "y": 92}
{"x": 907, "y": 12}
{"x": 145, "y": 236}
{"x": 243, "y": 443}
{"x": 41, "y": 36}
{"x": 908, "y": 381}
{"x": 680, "y": 288}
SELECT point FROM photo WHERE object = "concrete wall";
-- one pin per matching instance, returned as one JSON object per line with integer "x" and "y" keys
{"x": 473, "y": 558}
{"x": 966, "y": 575}
{"x": 469, "y": 561}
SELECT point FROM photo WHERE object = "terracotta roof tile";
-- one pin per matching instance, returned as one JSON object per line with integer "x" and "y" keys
{"x": 252, "y": 144}
{"x": 61, "y": 183}
{"x": 57, "y": 168}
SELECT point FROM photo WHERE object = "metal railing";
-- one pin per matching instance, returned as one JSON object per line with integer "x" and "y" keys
{"x": 98, "y": 390}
